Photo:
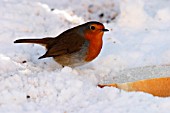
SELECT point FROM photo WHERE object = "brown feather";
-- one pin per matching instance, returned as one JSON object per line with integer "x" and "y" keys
{"x": 43, "y": 41}
{"x": 64, "y": 44}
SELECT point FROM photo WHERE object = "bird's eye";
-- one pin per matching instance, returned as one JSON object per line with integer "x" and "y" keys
{"x": 92, "y": 27}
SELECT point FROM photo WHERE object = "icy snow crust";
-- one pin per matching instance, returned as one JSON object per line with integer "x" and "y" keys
{"x": 139, "y": 36}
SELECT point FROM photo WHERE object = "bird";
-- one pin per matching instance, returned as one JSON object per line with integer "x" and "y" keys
{"x": 75, "y": 46}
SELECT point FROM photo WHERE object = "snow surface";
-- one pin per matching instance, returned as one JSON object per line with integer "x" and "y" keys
{"x": 139, "y": 36}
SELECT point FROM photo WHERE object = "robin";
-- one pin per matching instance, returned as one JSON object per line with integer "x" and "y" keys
{"x": 75, "y": 46}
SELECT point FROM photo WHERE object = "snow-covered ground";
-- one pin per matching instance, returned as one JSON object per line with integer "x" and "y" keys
{"x": 139, "y": 36}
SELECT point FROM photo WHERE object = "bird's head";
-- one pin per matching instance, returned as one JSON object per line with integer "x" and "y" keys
{"x": 92, "y": 30}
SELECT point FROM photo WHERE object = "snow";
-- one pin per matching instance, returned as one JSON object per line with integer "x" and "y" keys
{"x": 138, "y": 37}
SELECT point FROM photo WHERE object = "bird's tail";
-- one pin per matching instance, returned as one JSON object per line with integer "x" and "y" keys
{"x": 43, "y": 41}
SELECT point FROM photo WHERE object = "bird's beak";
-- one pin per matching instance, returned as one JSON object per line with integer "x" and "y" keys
{"x": 104, "y": 30}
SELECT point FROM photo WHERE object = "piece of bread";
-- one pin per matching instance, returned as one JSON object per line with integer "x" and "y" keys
{"x": 156, "y": 86}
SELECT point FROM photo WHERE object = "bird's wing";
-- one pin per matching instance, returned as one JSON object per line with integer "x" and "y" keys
{"x": 65, "y": 44}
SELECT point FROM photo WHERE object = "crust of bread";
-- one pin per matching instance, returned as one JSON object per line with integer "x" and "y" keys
{"x": 156, "y": 86}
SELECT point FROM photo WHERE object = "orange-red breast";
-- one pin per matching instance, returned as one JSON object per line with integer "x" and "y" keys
{"x": 74, "y": 46}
